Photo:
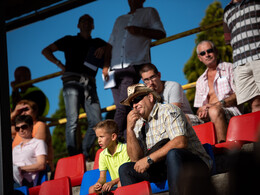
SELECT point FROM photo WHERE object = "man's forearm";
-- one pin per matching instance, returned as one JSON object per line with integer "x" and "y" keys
{"x": 228, "y": 102}
{"x": 107, "y": 55}
{"x": 177, "y": 142}
{"x": 134, "y": 150}
{"x": 153, "y": 34}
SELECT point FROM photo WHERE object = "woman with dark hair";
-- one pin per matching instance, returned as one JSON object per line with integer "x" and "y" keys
{"x": 40, "y": 129}
{"x": 29, "y": 157}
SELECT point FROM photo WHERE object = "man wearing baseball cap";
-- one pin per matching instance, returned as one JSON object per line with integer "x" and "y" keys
{"x": 160, "y": 141}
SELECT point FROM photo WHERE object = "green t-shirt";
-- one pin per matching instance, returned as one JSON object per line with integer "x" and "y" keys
{"x": 112, "y": 163}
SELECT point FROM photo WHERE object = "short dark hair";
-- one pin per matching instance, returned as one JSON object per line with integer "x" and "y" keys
{"x": 84, "y": 17}
{"x": 24, "y": 118}
{"x": 24, "y": 69}
{"x": 148, "y": 67}
{"x": 109, "y": 125}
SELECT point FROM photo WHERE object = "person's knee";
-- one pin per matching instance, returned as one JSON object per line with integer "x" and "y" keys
{"x": 124, "y": 172}
{"x": 216, "y": 112}
{"x": 173, "y": 155}
{"x": 124, "y": 168}
{"x": 255, "y": 104}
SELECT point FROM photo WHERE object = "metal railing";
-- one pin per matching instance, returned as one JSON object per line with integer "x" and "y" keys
{"x": 55, "y": 122}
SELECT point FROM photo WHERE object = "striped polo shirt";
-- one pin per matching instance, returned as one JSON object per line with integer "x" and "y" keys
{"x": 242, "y": 21}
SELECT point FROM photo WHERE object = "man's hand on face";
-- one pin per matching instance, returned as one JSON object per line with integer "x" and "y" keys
{"x": 132, "y": 117}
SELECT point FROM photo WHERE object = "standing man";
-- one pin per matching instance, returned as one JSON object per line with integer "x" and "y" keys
{"x": 79, "y": 84}
{"x": 151, "y": 124}
{"x": 28, "y": 92}
{"x": 242, "y": 31}
{"x": 171, "y": 92}
{"x": 215, "y": 96}
{"x": 129, "y": 46}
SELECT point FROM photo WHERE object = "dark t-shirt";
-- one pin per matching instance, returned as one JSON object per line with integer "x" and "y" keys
{"x": 76, "y": 49}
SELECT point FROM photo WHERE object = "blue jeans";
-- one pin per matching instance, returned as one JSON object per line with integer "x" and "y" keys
{"x": 175, "y": 160}
{"x": 76, "y": 94}
{"x": 124, "y": 78}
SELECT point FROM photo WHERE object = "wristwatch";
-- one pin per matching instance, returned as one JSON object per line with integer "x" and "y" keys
{"x": 149, "y": 160}
{"x": 223, "y": 103}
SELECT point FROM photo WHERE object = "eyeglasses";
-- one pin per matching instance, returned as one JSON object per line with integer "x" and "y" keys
{"x": 136, "y": 100}
{"x": 23, "y": 127}
{"x": 208, "y": 51}
{"x": 151, "y": 78}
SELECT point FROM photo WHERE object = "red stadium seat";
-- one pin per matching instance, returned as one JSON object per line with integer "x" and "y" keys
{"x": 61, "y": 186}
{"x": 241, "y": 129}
{"x": 96, "y": 165}
{"x": 142, "y": 188}
{"x": 74, "y": 167}
{"x": 206, "y": 133}
{"x": 42, "y": 177}
{"x": 34, "y": 190}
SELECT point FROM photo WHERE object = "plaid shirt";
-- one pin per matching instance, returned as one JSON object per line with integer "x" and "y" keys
{"x": 223, "y": 85}
{"x": 168, "y": 121}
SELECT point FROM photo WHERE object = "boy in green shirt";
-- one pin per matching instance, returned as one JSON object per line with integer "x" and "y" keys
{"x": 111, "y": 158}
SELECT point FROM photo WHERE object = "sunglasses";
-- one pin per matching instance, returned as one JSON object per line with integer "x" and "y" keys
{"x": 136, "y": 100}
{"x": 23, "y": 127}
{"x": 208, "y": 51}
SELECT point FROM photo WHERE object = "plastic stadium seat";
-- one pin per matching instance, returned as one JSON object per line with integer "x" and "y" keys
{"x": 142, "y": 188}
{"x": 89, "y": 179}
{"x": 43, "y": 176}
{"x": 73, "y": 167}
{"x": 159, "y": 186}
{"x": 61, "y": 186}
{"x": 23, "y": 189}
{"x": 209, "y": 150}
{"x": 96, "y": 165}
{"x": 241, "y": 129}
{"x": 206, "y": 133}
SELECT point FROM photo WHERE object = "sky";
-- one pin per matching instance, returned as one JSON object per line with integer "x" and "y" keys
{"x": 24, "y": 45}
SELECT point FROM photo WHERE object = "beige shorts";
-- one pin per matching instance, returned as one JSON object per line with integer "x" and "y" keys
{"x": 247, "y": 81}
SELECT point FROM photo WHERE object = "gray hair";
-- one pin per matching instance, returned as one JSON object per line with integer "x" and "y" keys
{"x": 206, "y": 41}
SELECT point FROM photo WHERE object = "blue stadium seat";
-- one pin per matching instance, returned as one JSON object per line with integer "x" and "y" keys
{"x": 159, "y": 186}
{"x": 89, "y": 179}
{"x": 23, "y": 189}
{"x": 209, "y": 150}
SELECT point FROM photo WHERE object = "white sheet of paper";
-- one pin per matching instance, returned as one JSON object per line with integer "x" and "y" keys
{"x": 111, "y": 82}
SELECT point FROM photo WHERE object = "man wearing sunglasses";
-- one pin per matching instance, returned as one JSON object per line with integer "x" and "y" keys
{"x": 159, "y": 140}
{"x": 215, "y": 97}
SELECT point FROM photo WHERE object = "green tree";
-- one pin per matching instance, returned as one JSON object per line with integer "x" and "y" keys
{"x": 194, "y": 68}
